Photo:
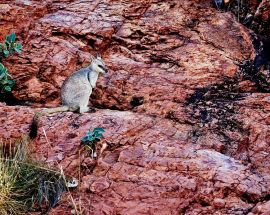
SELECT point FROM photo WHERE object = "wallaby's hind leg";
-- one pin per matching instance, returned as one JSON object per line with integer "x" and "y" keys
{"x": 91, "y": 110}
{"x": 84, "y": 100}
{"x": 84, "y": 109}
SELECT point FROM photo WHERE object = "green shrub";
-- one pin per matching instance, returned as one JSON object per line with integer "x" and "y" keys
{"x": 7, "y": 48}
{"x": 91, "y": 138}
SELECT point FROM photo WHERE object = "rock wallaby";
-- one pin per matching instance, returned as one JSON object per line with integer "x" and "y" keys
{"x": 75, "y": 92}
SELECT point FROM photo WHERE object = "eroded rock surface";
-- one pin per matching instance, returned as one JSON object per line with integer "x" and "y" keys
{"x": 187, "y": 132}
{"x": 150, "y": 167}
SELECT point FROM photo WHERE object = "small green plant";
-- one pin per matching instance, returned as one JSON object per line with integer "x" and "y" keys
{"x": 7, "y": 48}
{"x": 91, "y": 138}
{"x": 6, "y": 84}
{"x": 10, "y": 46}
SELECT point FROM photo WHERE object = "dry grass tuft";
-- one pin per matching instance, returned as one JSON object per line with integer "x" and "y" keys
{"x": 25, "y": 185}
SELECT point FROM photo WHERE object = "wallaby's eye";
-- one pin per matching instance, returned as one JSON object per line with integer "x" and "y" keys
{"x": 100, "y": 66}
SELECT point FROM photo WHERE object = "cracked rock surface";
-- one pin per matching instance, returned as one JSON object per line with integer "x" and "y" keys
{"x": 187, "y": 132}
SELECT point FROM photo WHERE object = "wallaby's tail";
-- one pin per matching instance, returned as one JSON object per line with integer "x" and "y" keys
{"x": 38, "y": 115}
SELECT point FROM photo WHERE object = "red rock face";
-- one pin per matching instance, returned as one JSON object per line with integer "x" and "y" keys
{"x": 186, "y": 132}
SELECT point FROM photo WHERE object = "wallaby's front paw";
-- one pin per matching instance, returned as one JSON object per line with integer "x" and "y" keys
{"x": 92, "y": 110}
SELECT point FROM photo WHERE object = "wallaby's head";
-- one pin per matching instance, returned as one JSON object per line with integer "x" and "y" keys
{"x": 98, "y": 65}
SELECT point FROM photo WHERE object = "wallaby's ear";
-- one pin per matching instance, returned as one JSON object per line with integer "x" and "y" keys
{"x": 92, "y": 58}
{"x": 98, "y": 56}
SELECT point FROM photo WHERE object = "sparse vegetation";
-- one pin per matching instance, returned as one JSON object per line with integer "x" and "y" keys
{"x": 26, "y": 186}
{"x": 7, "y": 48}
{"x": 249, "y": 13}
{"x": 91, "y": 138}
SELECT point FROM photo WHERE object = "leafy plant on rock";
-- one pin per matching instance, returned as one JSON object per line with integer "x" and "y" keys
{"x": 7, "y": 48}
{"x": 91, "y": 138}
